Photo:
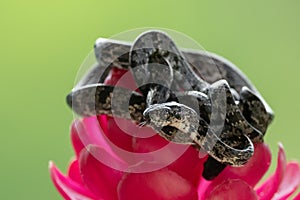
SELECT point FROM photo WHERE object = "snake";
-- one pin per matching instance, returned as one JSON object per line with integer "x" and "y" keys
{"x": 80, "y": 100}
{"x": 98, "y": 99}
{"x": 211, "y": 67}
{"x": 251, "y": 113}
{"x": 157, "y": 46}
{"x": 187, "y": 121}
{"x": 150, "y": 66}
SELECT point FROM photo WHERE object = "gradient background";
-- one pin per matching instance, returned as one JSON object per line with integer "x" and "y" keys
{"x": 43, "y": 43}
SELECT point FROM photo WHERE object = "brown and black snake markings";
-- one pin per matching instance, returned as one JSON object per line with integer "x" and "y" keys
{"x": 189, "y": 97}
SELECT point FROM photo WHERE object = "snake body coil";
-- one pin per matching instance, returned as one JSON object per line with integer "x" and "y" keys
{"x": 189, "y": 97}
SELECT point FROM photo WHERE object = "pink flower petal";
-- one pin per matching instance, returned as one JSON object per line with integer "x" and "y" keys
{"x": 254, "y": 169}
{"x": 189, "y": 166}
{"x": 251, "y": 172}
{"x": 297, "y": 197}
{"x": 114, "y": 75}
{"x": 91, "y": 133}
{"x": 102, "y": 119}
{"x": 74, "y": 172}
{"x": 202, "y": 188}
{"x": 68, "y": 188}
{"x": 112, "y": 154}
{"x": 267, "y": 190}
{"x": 290, "y": 181}
{"x": 146, "y": 145}
{"x": 99, "y": 178}
{"x": 121, "y": 78}
{"x": 118, "y": 132}
{"x": 75, "y": 138}
{"x": 233, "y": 189}
{"x": 88, "y": 132}
{"x": 162, "y": 184}
{"x": 124, "y": 160}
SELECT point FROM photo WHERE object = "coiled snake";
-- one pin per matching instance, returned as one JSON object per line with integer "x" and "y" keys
{"x": 190, "y": 97}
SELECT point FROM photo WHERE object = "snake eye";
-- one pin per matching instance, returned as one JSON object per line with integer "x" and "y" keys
{"x": 166, "y": 112}
{"x": 178, "y": 116}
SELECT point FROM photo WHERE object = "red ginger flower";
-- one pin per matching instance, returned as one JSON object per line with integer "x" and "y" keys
{"x": 112, "y": 165}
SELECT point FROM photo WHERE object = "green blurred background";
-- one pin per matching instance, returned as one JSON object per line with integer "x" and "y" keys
{"x": 43, "y": 44}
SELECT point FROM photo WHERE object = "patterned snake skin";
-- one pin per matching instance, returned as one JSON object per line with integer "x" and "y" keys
{"x": 190, "y": 97}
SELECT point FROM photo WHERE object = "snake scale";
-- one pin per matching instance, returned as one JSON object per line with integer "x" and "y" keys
{"x": 189, "y": 97}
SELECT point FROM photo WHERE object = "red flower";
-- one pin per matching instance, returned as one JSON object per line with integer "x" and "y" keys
{"x": 112, "y": 165}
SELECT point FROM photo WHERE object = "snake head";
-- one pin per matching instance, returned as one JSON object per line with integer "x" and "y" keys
{"x": 170, "y": 114}
{"x": 172, "y": 120}
{"x": 158, "y": 115}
